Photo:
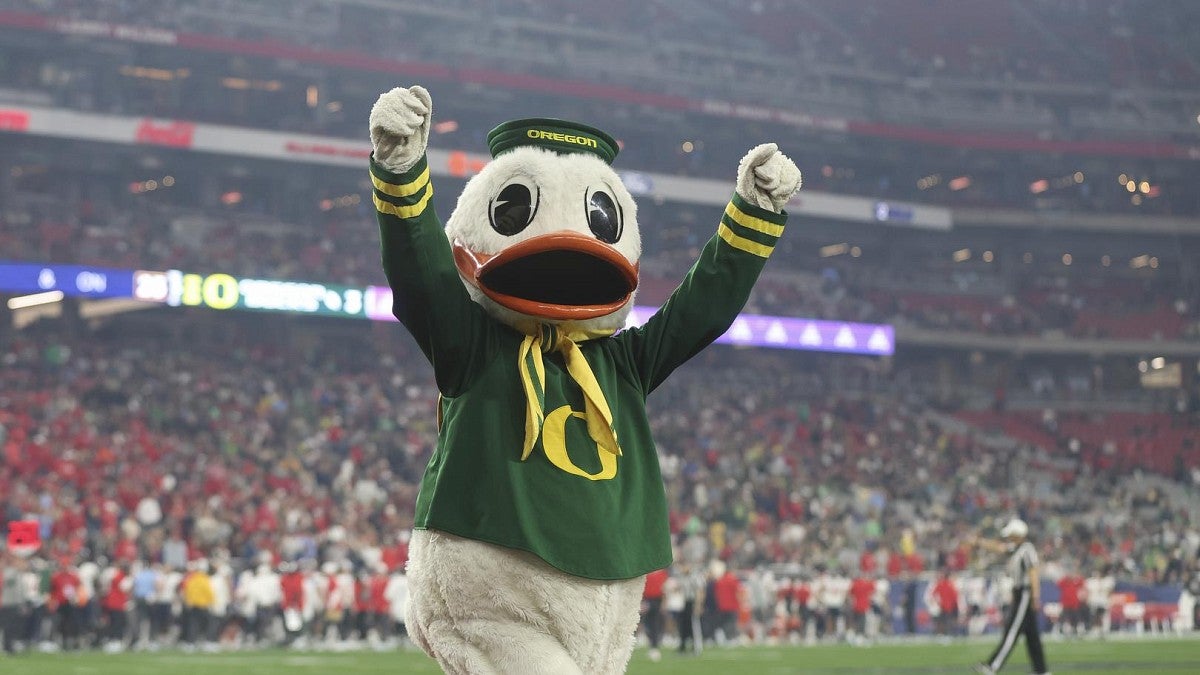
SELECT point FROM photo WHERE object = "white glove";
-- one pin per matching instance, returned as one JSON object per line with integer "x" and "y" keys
{"x": 767, "y": 178}
{"x": 400, "y": 127}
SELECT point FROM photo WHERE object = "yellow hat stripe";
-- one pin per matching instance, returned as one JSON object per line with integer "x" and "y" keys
{"x": 402, "y": 190}
{"x": 742, "y": 243}
{"x": 404, "y": 211}
{"x": 750, "y": 222}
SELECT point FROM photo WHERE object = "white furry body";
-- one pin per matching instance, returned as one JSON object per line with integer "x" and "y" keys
{"x": 478, "y": 608}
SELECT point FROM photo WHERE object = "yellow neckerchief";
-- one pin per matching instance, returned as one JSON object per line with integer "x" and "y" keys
{"x": 547, "y": 338}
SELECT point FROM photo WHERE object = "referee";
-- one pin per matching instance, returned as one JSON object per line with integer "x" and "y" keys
{"x": 1023, "y": 615}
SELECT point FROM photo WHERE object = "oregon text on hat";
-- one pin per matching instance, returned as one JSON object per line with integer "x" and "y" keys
{"x": 565, "y": 138}
{"x": 552, "y": 134}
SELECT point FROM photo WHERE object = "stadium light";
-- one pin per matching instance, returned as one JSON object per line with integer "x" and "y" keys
{"x": 834, "y": 249}
{"x": 24, "y": 301}
{"x": 160, "y": 74}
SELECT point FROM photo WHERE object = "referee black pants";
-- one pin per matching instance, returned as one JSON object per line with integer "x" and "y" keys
{"x": 685, "y": 621}
{"x": 10, "y": 624}
{"x": 1022, "y": 618}
{"x": 653, "y": 621}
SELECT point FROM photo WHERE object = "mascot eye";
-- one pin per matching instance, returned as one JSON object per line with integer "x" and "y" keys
{"x": 513, "y": 209}
{"x": 603, "y": 216}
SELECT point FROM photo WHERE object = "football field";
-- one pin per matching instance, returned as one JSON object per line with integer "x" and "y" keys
{"x": 1113, "y": 656}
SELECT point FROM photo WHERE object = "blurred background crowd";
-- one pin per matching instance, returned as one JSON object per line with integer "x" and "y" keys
{"x": 1047, "y": 341}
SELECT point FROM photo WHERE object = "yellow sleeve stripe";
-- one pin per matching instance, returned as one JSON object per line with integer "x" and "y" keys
{"x": 403, "y": 211}
{"x": 742, "y": 243}
{"x": 404, "y": 190}
{"x": 750, "y": 222}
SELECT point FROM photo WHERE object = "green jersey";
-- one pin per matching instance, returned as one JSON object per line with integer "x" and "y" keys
{"x": 583, "y": 510}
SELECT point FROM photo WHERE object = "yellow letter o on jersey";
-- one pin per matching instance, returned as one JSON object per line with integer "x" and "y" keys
{"x": 554, "y": 442}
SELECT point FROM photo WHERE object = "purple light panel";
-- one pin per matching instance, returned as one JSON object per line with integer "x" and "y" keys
{"x": 377, "y": 302}
{"x": 750, "y": 330}
{"x": 780, "y": 332}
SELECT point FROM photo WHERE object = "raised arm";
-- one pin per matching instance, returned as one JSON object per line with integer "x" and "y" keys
{"x": 719, "y": 283}
{"x": 990, "y": 545}
{"x": 428, "y": 296}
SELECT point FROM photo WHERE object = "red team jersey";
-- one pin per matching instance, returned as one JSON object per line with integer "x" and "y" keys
{"x": 654, "y": 584}
{"x": 726, "y": 589}
{"x": 378, "y": 593}
{"x": 292, "y": 586}
{"x": 64, "y": 589}
{"x": 802, "y": 592}
{"x": 117, "y": 597}
{"x": 861, "y": 590}
{"x": 1070, "y": 587}
{"x": 946, "y": 594}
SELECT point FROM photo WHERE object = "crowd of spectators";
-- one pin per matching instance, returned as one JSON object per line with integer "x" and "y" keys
{"x": 964, "y": 42}
{"x": 71, "y": 603}
{"x": 266, "y": 448}
{"x": 340, "y": 246}
{"x": 125, "y": 445}
{"x": 181, "y": 442}
{"x": 164, "y": 441}
{"x": 985, "y": 41}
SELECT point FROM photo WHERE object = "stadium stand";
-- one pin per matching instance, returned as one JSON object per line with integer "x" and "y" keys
{"x": 1046, "y": 343}
{"x": 956, "y": 95}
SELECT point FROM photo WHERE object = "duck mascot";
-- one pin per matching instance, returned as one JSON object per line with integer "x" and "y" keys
{"x": 542, "y": 507}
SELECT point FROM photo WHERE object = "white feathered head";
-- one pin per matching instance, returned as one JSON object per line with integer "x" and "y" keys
{"x": 546, "y": 231}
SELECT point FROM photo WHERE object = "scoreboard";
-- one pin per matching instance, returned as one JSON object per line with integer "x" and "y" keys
{"x": 221, "y": 291}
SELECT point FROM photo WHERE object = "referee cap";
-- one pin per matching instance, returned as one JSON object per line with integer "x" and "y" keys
{"x": 1015, "y": 528}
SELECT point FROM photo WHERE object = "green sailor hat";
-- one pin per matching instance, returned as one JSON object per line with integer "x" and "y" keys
{"x": 553, "y": 134}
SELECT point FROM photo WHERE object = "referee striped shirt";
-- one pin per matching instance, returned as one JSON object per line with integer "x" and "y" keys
{"x": 690, "y": 584}
{"x": 1023, "y": 559}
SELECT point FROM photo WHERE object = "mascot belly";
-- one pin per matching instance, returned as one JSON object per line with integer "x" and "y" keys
{"x": 542, "y": 507}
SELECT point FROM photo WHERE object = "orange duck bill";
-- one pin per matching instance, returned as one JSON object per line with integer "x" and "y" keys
{"x": 562, "y": 276}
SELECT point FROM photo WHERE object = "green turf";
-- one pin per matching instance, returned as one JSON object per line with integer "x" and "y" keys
{"x": 1142, "y": 657}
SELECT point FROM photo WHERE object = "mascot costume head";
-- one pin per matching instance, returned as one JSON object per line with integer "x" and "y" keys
{"x": 547, "y": 232}
{"x": 542, "y": 508}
